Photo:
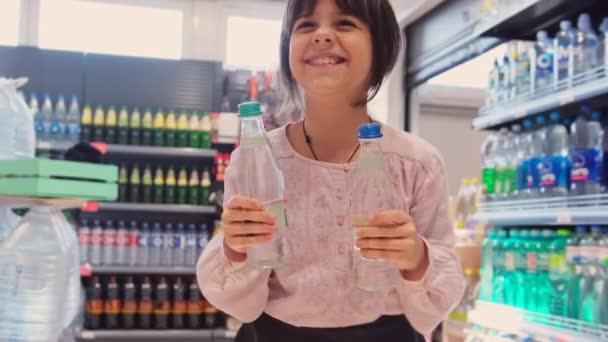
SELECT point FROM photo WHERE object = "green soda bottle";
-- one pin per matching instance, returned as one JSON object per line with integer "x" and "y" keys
{"x": 99, "y": 122}
{"x": 170, "y": 187}
{"x": 193, "y": 189}
{"x": 544, "y": 287}
{"x": 509, "y": 269}
{"x": 123, "y": 126}
{"x": 485, "y": 292}
{"x": 111, "y": 123}
{"x": 559, "y": 274}
{"x": 498, "y": 260}
{"x": 147, "y": 128}
{"x": 170, "y": 129}
{"x": 195, "y": 136}
{"x": 159, "y": 128}
{"x": 520, "y": 269}
{"x": 86, "y": 124}
{"x": 205, "y": 187}
{"x": 135, "y": 127}
{"x": 488, "y": 173}
{"x": 182, "y": 130}
{"x": 123, "y": 184}
{"x": 205, "y": 131}
{"x": 532, "y": 247}
{"x": 135, "y": 193}
{"x": 182, "y": 187}
{"x": 147, "y": 185}
{"x": 159, "y": 186}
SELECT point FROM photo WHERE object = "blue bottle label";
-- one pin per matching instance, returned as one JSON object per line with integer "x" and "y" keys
{"x": 168, "y": 241}
{"x": 57, "y": 128}
{"x": 191, "y": 241}
{"x": 554, "y": 172}
{"x": 586, "y": 165}
{"x": 157, "y": 241}
{"x": 606, "y": 168}
{"x": 39, "y": 127}
{"x": 179, "y": 241}
{"x": 202, "y": 241}
{"x": 544, "y": 65}
{"x": 143, "y": 240}
{"x": 533, "y": 166}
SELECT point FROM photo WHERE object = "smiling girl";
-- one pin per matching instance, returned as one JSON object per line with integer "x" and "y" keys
{"x": 335, "y": 55}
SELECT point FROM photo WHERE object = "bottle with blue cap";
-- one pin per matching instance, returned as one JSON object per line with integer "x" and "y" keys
{"x": 46, "y": 116}
{"x": 543, "y": 63}
{"x": 585, "y": 47}
{"x": 58, "y": 120}
{"x": 372, "y": 192}
{"x": 264, "y": 181}
{"x": 555, "y": 168}
{"x": 563, "y": 49}
{"x": 586, "y": 153}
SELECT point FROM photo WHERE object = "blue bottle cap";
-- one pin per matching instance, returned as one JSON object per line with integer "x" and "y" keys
{"x": 370, "y": 131}
{"x": 581, "y": 229}
{"x": 554, "y": 116}
{"x": 527, "y": 123}
{"x": 596, "y": 229}
{"x": 565, "y": 25}
{"x": 542, "y": 35}
{"x": 584, "y": 22}
{"x": 540, "y": 120}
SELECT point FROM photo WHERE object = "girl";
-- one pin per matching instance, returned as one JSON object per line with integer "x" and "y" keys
{"x": 334, "y": 57}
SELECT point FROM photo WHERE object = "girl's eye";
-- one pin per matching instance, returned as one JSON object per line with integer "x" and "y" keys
{"x": 346, "y": 22}
{"x": 304, "y": 25}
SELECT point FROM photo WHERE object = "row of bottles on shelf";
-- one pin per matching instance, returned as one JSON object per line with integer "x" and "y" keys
{"x": 141, "y": 244}
{"x": 548, "y": 272}
{"x": 571, "y": 56}
{"x": 164, "y": 187}
{"x": 132, "y": 302}
{"x": 56, "y": 123}
{"x": 467, "y": 200}
{"x": 547, "y": 158}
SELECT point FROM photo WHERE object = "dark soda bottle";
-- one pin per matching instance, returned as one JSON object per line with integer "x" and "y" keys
{"x": 171, "y": 130}
{"x": 112, "y": 304}
{"x": 182, "y": 130}
{"x": 159, "y": 186}
{"x": 94, "y": 305}
{"x": 194, "y": 188}
{"x": 145, "y": 305}
{"x": 170, "y": 187}
{"x": 159, "y": 128}
{"x": 205, "y": 188}
{"x": 123, "y": 183}
{"x": 86, "y": 124}
{"x": 135, "y": 185}
{"x": 135, "y": 127}
{"x": 178, "y": 309}
{"x": 211, "y": 315}
{"x": 194, "y": 140}
{"x": 147, "y": 128}
{"x": 123, "y": 126}
{"x": 147, "y": 185}
{"x": 129, "y": 304}
{"x": 182, "y": 187}
{"x": 99, "y": 123}
{"x": 161, "y": 305}
{"x": 111, "y": 130}
{"x": 195, "y": 306}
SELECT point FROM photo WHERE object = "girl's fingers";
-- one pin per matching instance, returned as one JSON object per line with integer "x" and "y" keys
{"x": 246, "y": 215}
{"x": 243, "y": 242}
{"x": 393, "y": 256}
{"x": 246, "y": 229}
{"x": 385, "y": 232}
{"x": 389, "y": 218}
{"x": 241, "y": 202}
{"x": 398, "y": 245}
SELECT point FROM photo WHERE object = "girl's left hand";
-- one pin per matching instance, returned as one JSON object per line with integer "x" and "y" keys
{"x": 391, "y": 236}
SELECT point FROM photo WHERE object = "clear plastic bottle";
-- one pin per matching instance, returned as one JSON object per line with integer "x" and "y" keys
{"x": 574, "y": 259}
{"x": 586, "y": 153}
{"x": 144, "y": 245}
{"x": 191, "y": 245}
{"x": 203, "y": 238}
{"x": 585, "y": 47}
{"x": 35, "y": 109}
{"x": 109, "y": 244}
{"x": 559, "y": 274}
{"x": 485, "y": 292}
{"x": 492, "y": 91}
{"x": 544, "y": 287}
{"x": 522, "y": 71}
{"x": 504, "y": 81}
{"x": 520, "y": 269}
{"x": 555, "y": 168}
{"x": 179, "y": 245}
{"x": 603, "y": 275}
{"x": 563, "y": 47}
{"x": 509, "y": 274}
{"x": 58, "y": 120}
{"x": 603, "y": 30}
{"x": 168, "y": 245}
{"x": 263, "y": 181}
{"x": 532, "y": 247}
{"x": 122, "y": 241}
{"x": 488, "y": 173}
{"x": 8, "y": 222}
{"x": 73, "y": 122}
{"x": 46, "y": 117}
{"x": 543, "y": 50}
{"x": 590, "y": 291}
{"x": 516, "y": 160}
{"x": 84, "y": 240}
{"x": 133, "y": 244}
{"x": 498, "y": 267}
{"x": 505, "y": 170}
{"x": 157, "y": 245}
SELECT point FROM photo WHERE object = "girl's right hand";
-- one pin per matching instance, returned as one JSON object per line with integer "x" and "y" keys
{"x": 246, "y": 223}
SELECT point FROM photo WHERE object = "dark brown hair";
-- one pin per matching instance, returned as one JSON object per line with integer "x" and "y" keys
{"x": 380, "y": 18}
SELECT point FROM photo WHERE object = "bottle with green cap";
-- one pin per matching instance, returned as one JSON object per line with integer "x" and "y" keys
{"x": 182, "y": 186}
{"x": 135, "y": 184}
{"x": 99, "y": 122}
{"x": 205, "y": 131}
{"x": 135, "y": 127}
{"x": 485, "y": 292}
{"x": 509, "y": 268}
{"x": 268, "y": 188}
{"x": 543, "y": 283}
{"x": 159, "y": 186}
{"x": 182, "y": 129}
{"x": 123, "y": 182}
{"x": 193, "y": 131}
{"x": 559, "y": 274}
{"x": 498, "y": 269}
{"x": 532, "y": 247}
{"x": 147, "y": 185}
{"x": 171, "y": 187}
{"x": 205, "y": 187}
{"x": 171, "y": 130}
{"x": 123, "y": 126}
{"x": 520, "y": 269}
{"x": 159, "y": 128}
{"x": 111, "y": 122}
{"x": 147, "y": 128}
{"x": 193, "y": 188}
{"x": 86, "y": 124}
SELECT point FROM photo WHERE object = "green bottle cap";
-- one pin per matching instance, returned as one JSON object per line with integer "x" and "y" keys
{"x": 249, "y": 109}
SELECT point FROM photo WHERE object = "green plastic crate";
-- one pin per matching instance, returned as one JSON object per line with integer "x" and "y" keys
{"x": 58, "y": 179}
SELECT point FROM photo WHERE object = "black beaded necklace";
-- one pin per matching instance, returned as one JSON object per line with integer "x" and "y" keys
{"x": 309, "y": 142}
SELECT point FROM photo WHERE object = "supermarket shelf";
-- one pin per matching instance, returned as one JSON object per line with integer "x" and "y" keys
{"x": 576, "y": 210}
{"x": 147, "y": 207}
{"x": 18, "y": 202}
{"x": 87, "y": 270}
{"x": 147, "y": 335}
{"x": 541, "y": 327}
{"x": 563, "y": 96}
{"x": 54, "y": 146}
{"x": 150, "y": 151}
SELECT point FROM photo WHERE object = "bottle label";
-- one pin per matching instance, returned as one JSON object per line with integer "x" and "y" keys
{"x": 162, "y": 307}
{"x": 572, "y": 252}
{"x": 195, "y": 307}
{"x": 191, "y": 241}
{"x": 112, "y": 306}
{"x": 132, "y": 239}
{"x": 489, "y": 180}
{"x": 544, "y": 65}
{"x": 144, "y": 240}
{"x": 248, "y": 141}
{"x": 129, "y": 307}
{"x": 84, "y": 237}
{"x": 72, "y": 129}
{"x": 109, "y": 238}
{"x": 532, "y": 173}
{"x": 57, "y": 128}
{"x": 157, "y": 241}
{"x": 521, "y": 176}
{"x": 543, "y": 261}
{"x": 554, "y": 172}
{"x": 179, "y": 241}
{"x": 510, "y": 261}
{"x": 557, "y": 263}
{"x": 586, "y": 254}
{"x": 94, "y": 307}
{"x": 96, "y": 238}
{"x": 586, "y": 165}
{"x": 202, "y": 241}
{"x": 563, "y": 53}
{"x": 144, "y": 307}
{"x": 122, "y": 239}
{"x": 168, "y": 241}
{"x": 277, "y": 209}
{"x": 531, "y": 262}
{"x": 179, "y": 307}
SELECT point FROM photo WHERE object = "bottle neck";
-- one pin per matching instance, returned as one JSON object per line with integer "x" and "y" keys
{"x": 252, "y": 131}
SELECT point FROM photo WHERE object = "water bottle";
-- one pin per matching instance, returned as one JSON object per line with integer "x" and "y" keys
{"x": 8, "y": 222}
{"x": 25, "y": 134}
{"x": 532, "y": 247}
{"x": 533, "y": 142}
{"x": 144, "y": 245}
{"x": 590, "y": 291}
{"x": 122, "y": 241}
{"x": 520, "y": 280}
{"x": 509, "y": 272}
{"x": 486, "y": 267}
{"x": 586, "y": 153}
{"x": 544, "y": 288}
{"x": 109, "y": 244}
{"x": 46, "y": 117}
{"x": 202, "y": 238}
{"x": 559, "y": 274}
{"x": 179, "y": 245}
{"x": 191, "y": 245}
{"x": 156, "y": 235}
{"x": 372, "y": 193}
{"x": 133, "y": 244}
{"x": 263, "y": 181}
{"x": 58, "y": 120}
{"x": 35, "y": 261}
{"x": 505, "y": 169}
{"x": 563, "y": 49}
{"x": 605, "y": 154}
{"x": 73, "y": 302}
{"x": 516, "y": 159}
{"x": 555, "y": 167}
{"x": 492, "y": 92}
{"x": 543, "y": 62}
{"x": 17, "y": 127}
{"x": 73, "y": 122}
{"x": 603, "y": 29}
{"x": 522, "y": 72}
{"x": 84, "y": 240}
{"x": 573, "y": 257}
{"x": 585, "y": 47}
{"x": 488, "y": 173}
{"x": 96, "y": 249}
{"x": 35, "y": 109}
{"x": 168, "y": 245}
{"x": 498, "y": 267}
{"x": 504, "y": 80}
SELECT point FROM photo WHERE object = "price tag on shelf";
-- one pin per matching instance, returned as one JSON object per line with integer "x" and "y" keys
{"x": 520, "y": 115}
{"x": 564, "y": 217}
{"x": 86, "y": 270}
{"x": 87, "y": 335}
{"x": 566, "y": 97}
{"x": 90, "y": 207}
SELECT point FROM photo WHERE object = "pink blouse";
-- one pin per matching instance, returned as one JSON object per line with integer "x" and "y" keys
{"x": 317, "y": 288}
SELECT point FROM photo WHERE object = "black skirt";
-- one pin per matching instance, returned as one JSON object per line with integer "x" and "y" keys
{"x": 385, "y": 329}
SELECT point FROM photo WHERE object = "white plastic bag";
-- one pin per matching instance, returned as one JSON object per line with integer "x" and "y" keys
{"x": 17, "y": 136}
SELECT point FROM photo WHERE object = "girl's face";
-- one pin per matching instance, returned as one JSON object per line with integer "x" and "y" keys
{"x": 330, "y": 52}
